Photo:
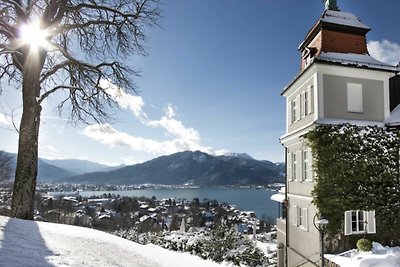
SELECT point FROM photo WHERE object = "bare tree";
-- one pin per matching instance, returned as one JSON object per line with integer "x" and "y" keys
{"x": 5, "y": 166}
{"x": 78, "y": 47}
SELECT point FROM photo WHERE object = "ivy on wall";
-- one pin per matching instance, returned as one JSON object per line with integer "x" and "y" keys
{"x": 357, "y": 168}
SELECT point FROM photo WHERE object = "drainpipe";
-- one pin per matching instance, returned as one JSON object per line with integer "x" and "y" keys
{"x": 287, "y": 211}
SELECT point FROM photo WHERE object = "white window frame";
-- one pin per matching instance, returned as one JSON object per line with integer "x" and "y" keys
{"x": 305, "y": 101}
{"x": 289, "y": 167}
{"x": 305, "y": 171}
{"x": 368, "y": 222}
{"x": 355, "y": 97}
{"x": 294, "y": 166}
{"x": 311, "y": 99}
{"x": 293, "y": 112}
{"x": 310, "y": 176}
{"x": 300, "y": 217}
{"x": 304, "y": 219}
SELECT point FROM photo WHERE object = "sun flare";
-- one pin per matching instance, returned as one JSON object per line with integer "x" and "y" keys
{"x": 33, "y": 35}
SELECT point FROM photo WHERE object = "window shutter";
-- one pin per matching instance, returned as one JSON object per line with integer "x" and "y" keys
{"x": 295, "y": 216}
{"x": 299, "y": 165}
{"x": 354, "y": 97}
{"x": 289, "y": 167}
{"x": 301, "y": 104}
{"x": 371, "y": 223}
{"x": 311, "y": 99}
{"x": 290, "y": 111}
{"x": 305, "y": 218}
{"x": 310, "y": 165}
{"x": 298, "y": 108}
{"x": 347, "y": 223}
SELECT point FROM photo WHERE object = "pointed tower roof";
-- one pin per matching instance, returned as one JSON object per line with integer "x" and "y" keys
{"x": 331, "y": 5}
{"x": 338, "y": 38}
{"x": 334, "y": 30}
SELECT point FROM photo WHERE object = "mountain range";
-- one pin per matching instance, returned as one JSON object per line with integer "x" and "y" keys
{"x": 195, "y": 168}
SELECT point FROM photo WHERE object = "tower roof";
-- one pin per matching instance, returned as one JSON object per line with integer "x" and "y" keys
{"x": 342, "y": 18}
{"x": 336, "y": 21}
{"x": 331, "y": 5}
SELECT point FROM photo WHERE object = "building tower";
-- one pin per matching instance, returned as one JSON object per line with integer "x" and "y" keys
{"x": 339, "y": 82}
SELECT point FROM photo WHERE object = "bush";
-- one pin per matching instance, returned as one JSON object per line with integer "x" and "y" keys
{"x": 364, "y": 244}
{"x": 220, "y": 244}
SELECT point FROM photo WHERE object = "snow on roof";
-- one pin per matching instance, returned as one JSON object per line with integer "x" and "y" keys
{"x": 394, "y": 118}
{"x": 353, "y": 122}
{"x": 360, "y": 60}
{"x": 343, "y": 18}
{"x": 29, "y": 243}
{"x": 278, "y": 198}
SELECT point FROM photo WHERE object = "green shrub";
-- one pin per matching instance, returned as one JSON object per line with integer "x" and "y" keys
{"x": 364, "y": 244}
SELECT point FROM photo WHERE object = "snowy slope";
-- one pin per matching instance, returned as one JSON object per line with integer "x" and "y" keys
{"x": 28, "y": 243}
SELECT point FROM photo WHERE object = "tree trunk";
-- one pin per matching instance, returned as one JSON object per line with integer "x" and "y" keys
{"x": 26, "y": 172}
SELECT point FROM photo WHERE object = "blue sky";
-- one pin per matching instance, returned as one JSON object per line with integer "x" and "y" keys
{"x": 212, "y": 81}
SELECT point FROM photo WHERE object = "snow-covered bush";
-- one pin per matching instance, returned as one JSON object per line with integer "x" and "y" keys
{"x": 221, "y": 244}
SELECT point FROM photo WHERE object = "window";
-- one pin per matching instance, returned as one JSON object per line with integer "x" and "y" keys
{"x": 359, "y": 222}
{"x": 310, "y": 100}
{"x": 293, "y": 108}
{"x": 300, "y": 217}
{"x": 309, "y": 176}
{"x": 305, "y": 165}
{"x": 305, "y": 103}
{"x": 294, "y": 167}
{"x": 354, "y": 97}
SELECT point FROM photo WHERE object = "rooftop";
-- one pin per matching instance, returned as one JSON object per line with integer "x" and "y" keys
{"x": 358, "y": 60}
{"x": 343, "y": 18}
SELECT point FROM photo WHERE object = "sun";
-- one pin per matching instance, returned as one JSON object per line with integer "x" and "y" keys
{"x": 33, "y": 35}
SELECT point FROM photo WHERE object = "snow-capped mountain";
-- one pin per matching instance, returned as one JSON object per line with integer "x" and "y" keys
{"x": 197, "y": 168}
{"x": 239, "y": 155}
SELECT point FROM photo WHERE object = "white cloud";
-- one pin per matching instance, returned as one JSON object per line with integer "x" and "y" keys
{"x": 178, "y": 136}
{"x": 385, "y": 51}
{"x": 130, "y": 160}
{"x": 125, "y": 100}
{"x": 108, "y": 135}
{"x": 50, "y": 152}
{"x": 170, "y": 111}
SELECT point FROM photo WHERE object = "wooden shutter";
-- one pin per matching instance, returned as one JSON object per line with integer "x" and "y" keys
{"x": 371, "y": 223}
{"x": 310, "y": 166}
{"x": 301, "y": 104}
{"x": 310, "y": 99}
{"x": 295, "y": 216}
{"x": 289, "y": 167}
{"x": 298, "y": 108}
{"x": 347, "y": 223}
{"x": 305, "y": 218}
{"x": 299, "y": 165}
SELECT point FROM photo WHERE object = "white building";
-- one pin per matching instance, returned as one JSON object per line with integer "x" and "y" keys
{"x": 339, "y": 82}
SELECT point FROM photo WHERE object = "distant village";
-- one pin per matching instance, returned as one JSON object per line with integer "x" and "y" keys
{"x": 111, "y": 212}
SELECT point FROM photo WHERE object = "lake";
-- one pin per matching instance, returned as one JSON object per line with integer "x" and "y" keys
{"x": 245, "y": 199}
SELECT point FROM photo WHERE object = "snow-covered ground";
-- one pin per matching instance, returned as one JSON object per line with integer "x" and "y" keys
{"x": 28, "y": 243}
{"x": 379, "y": 257}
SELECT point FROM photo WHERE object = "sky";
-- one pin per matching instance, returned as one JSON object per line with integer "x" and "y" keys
{"x": 211, "y": 81}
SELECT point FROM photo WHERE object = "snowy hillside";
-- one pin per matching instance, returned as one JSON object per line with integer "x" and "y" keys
{"x": 39, "y": 244}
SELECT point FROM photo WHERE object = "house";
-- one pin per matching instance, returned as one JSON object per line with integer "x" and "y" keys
{"x": 339, "y": 82}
